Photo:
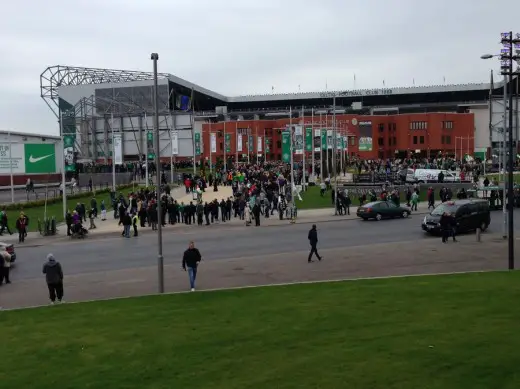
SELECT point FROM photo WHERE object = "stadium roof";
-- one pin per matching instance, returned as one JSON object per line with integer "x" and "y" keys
{"x": 55, "y": 76}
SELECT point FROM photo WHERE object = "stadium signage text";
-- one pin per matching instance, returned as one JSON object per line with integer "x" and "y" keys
{"x": 354, "y": 93}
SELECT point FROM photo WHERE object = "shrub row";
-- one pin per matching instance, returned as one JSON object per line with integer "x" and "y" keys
{"x": 55, "y": 200}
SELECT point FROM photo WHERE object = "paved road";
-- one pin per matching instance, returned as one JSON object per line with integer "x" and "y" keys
{"x": 221, "y": 242}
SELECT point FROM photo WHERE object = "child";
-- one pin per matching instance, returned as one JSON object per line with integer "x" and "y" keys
{"x": 103, "y": 211}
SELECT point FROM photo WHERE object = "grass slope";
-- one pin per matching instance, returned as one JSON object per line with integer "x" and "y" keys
{"x": 56, "y": 209}
{"x": 312, "y": 199}
{"x": 445, "y": 332}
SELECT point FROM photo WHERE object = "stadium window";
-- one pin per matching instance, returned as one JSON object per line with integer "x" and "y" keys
{"x": 447, "y": 125}
{"x": 421, "y": 139}
{"x": 414, "y": 140}
{"x": 411, "y": 125}
{"x": 279, "y": 144}
{"x": 442, "y": 139}
{"x": 381, "y": 141}
{"x": 389, "y": 141}
{"x": 395, "y": 141}
{"x": 381, "y": 127}
{"x": 221, "y": 146}
{"x": 352, "y": 141}
{"x": 448, "y": 140}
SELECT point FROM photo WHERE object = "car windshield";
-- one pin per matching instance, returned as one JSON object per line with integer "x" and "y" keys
{"x": 450, "y": 208}
{"x": 371, "y": 205}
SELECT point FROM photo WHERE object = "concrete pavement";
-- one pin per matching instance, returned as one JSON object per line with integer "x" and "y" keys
{"x": 377, "y": 259}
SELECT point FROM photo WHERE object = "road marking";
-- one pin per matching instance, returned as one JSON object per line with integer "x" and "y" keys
{"x": 270, "y": 285}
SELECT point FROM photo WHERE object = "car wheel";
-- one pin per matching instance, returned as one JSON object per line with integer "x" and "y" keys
{"x": 379, "y": 217}
{"x": 483, "y": 226}
{"x": 405, "y": 214}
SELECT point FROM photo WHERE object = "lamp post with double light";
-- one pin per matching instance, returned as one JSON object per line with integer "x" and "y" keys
{"x": 509, "y": 53}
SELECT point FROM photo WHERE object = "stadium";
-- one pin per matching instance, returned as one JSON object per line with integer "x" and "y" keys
{"x": 97, "y": 106}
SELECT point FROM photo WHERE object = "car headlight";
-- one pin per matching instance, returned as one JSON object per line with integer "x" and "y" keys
{"x": 438, "y": 224}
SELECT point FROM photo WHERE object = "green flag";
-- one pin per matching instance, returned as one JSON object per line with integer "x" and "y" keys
{"x": 197, "y": 143}
{"x": 324, "y": 139}
{"x": 308, "y": 139}
{"x": 267, "y": 150}
{"x": 228, "y": 143}
{"x": 68, "y": 152}
{"x": 286, "y": 147}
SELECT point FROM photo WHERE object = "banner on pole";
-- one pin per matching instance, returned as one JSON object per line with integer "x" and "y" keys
{"x": 259, "y": 145}
{"x": 308, "y": 139}
{"x": 286, "y": 146}
{"x": 298, "y": 140}
{"x": 175, "y": 143}
{"x": 329, "y": 139}
{"x": 345, "y": 143}
{"x": 267, "y": 142}
{"x": 68, "y": 152}
{"x": 213, "y": 143}
{"x": 118, "y": 148}
{"x": 239, "y": 143}
{"x": 317, "y": 140}
{"x": 197, "y": 143}
{"x": 324, "y": 139}
{"x": 227, "y": 140}
{"x": 250, "y": 144}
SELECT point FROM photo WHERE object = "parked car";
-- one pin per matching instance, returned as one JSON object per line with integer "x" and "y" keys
{"x": 470, "y": 214}
{"x": 379, "y": 210}
{"x": 9, "y": 247}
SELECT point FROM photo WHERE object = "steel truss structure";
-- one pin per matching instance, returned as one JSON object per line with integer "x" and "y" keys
{"x": 56, "y": 76}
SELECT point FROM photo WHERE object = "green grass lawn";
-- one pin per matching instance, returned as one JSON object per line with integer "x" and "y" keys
{"x": 494, "y": 176}
{"x": 312, "y": 199}
{"x": 437, "y": 332}
{"x": 56, "y": 209}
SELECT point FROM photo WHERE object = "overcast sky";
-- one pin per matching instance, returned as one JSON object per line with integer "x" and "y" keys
{"x": 239, "y": 47}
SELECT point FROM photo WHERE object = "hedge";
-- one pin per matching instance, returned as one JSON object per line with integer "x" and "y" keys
{"x": 59, "y": 199}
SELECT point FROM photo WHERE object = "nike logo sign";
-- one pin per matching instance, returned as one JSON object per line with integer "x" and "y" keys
{"x": 34, "y": 160}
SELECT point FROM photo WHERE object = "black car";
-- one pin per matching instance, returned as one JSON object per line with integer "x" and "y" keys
{"x": 382, "y": 210}
{"x": 469, "y": 214}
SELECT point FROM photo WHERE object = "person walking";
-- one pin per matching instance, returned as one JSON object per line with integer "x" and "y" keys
{"x": 54, "y": 278}
{"x": 190, "y": 262}
{"x": 313, "y": 240}
{"x": 5, "y": 266}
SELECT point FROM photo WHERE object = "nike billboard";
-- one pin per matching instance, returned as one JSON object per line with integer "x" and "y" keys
{"x": 40, "y": 158}
{"x": 28, "y": 158}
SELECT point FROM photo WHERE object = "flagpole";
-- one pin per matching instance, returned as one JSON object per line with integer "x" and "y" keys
{"x": 225, "y": 147}
{"x": 265, "y": 148}
{"x": 210, "y": 148}
{"x": 248, "y": 145}
{"x": 312, "y": 133}
{"x": 236, "y": 141}
{"x": 256, "y": 132}
{"x": 171, "y": 146}
{"x": 292, "y": 149}
{"x": 321, "y": 148}
{"x": 113, "y": 153}
{"x": 146, "y": 154}
{"x": 303, "y": 158}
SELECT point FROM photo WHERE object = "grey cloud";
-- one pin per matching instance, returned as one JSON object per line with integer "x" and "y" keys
{"x": 245, "y": 46}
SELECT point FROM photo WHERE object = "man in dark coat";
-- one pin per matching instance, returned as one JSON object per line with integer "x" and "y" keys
{"x": 313, "y": 240}
{"x": 54, "y": 278}
{"x": 190, "y": 263}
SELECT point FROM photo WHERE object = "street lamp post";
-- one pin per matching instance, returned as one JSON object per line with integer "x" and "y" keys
{"x": 509, "y": 53}
{"x": 160, "y": 258}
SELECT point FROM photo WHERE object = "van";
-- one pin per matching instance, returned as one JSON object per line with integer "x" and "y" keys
{"x": 432, "y": 175}
{"x": 469, "y": 214}
{"x": 406, "y": 175}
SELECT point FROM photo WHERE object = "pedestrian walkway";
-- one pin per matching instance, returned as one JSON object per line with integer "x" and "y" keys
{"x": 224, "y": 192}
